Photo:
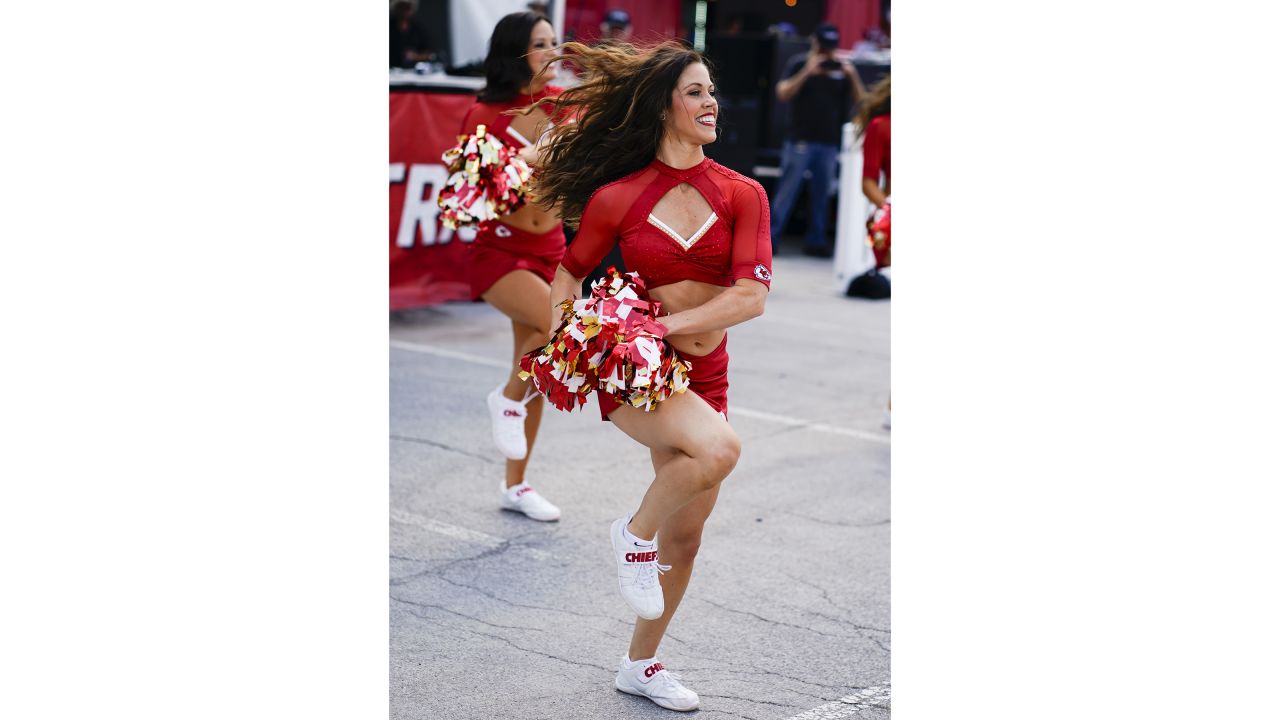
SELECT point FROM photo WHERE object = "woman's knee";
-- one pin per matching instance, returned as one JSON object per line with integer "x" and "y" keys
{"x": 720, "y": 456}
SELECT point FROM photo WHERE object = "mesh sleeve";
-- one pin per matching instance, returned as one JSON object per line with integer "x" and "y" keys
{"x": 597, "y": 234}
{"x": 752, "y": 250}
{"x": 485, "y": 114}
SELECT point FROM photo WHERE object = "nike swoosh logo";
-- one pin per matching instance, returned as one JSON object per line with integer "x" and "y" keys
{"x": 649, "y": 545}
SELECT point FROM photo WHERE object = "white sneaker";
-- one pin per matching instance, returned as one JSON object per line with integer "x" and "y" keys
{"x": 647, "y": 678}
{"x": 507, "y": 417}
{"x": 524, "y": 499}
{"x": 638, "y": 570}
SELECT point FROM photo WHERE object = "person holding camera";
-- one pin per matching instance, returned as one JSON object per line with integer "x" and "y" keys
{"x": 822, "y": 91}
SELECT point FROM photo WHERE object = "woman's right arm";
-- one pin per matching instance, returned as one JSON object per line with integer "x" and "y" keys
{"x": 871, "y": 188}
{"x": 788, "y": 87}
{"x": 565, "y": 287}
{"x": 597, "y": 234}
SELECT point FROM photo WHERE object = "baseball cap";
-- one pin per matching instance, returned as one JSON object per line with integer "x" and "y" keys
{"x": 827, "y": 35}
{"x": 617, "y": 18}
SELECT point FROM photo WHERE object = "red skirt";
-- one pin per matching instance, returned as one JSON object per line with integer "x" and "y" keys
{"x": 708, "y": 377}
{"x": 499, "y": 249}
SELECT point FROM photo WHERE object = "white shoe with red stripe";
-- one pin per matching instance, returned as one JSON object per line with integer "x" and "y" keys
{"x": 507, "y": 418}
{"x": 647, "y": 678}
{"x": 524, "y": 499}
{"x": 638, "y": 570}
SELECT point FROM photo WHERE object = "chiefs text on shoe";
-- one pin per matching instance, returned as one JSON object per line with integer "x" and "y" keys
{"x": 507, "y": 419}
{"x": 647, "y": 678}
{"x": 638, "y": 570}
{"x": 524, "y": 499}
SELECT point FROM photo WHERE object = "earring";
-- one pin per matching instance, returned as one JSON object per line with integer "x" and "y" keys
{"x": 663, "y": 116}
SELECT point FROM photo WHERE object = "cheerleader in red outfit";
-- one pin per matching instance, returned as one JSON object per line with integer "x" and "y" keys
{"x": 873, "y": 122}
{"x": 697, "y": 233}
{"x": 513, "y": 259}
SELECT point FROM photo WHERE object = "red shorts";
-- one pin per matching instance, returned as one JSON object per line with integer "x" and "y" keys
{"x": 499, "y": 249}
{"x": 709, "y": 378}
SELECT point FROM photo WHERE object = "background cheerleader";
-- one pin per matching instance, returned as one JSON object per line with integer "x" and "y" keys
{"x": 513, "y": 259}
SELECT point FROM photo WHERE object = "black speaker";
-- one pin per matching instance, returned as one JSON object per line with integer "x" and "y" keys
{"x": 743, "y": 85}
{"x": 739, "y": 138}
{"x": 741, "y": 62}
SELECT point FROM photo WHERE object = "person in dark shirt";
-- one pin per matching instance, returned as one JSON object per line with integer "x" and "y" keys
{"x": 409, "y": 45}
{"x": 822, "y": 91}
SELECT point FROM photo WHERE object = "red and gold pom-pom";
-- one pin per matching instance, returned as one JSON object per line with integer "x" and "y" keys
{"x": 878, "y": 236}
{"x": 486, "y": 181}
{"x": 610, "y": 341}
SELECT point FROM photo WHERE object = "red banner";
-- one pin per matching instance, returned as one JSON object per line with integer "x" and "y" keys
{"x": 854, "y": 18}
{"x": 428, "y": 261}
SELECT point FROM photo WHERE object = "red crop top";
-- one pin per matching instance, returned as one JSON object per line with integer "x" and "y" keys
{"x": 875, "y": 149}
{"x": 491, "y": 116}
{"x": 734, "y": 243}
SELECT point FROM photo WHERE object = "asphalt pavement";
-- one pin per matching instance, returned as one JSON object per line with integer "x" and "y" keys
{"x": 494, "y": 615}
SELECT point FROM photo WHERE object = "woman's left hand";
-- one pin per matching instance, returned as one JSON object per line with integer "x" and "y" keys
{"x": 529, "y": 154}
{"x": 654, "y": 327}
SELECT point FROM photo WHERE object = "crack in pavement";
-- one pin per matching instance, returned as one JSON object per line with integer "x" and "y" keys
{"x": 439, "y": 573}
{"x": 756, "y": 702}
{"x": 469, "y": 617}
{"x": 778, "y": 622}
{"x": 840, "y": 621}
{"x": 403, "y": 579}
{"x": 702, "y": 710}
{"x": 712, "y": 672}
{"x": 830, "y": 602}
{"x": 825, "y": 595}
{"x": 443, "y": 446}
{"x": 496, "y": 544}
{"x": 488, "y": 594}
{"x": 831, "y": 618}
{"x": 512, "y": 644}
{"x": 409, "y": 559}
{"x": 499, "y": 549}
{"x": 757, "y": 670}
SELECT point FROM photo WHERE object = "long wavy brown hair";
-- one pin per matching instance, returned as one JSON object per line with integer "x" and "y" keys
{"x": 619, "y": 110}
{"x": 876, "y": 104}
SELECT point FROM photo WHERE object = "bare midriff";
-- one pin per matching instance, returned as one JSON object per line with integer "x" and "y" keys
{"x": 686, "y": 295}
{"x": 531, "y": 217}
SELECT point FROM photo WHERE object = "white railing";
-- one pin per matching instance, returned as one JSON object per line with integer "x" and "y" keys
{"x": 853, "y": 256}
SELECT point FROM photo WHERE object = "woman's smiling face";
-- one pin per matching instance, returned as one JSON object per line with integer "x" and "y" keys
{"x": 542, "y": 43}
{"x": 694, "y": 110}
